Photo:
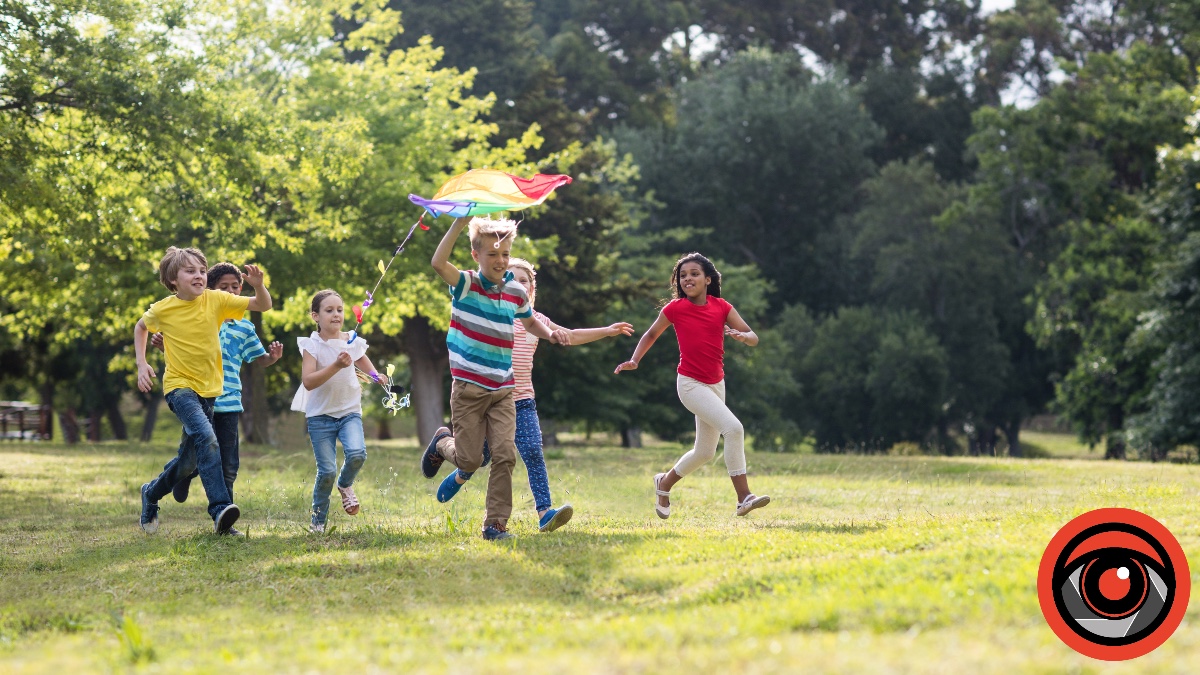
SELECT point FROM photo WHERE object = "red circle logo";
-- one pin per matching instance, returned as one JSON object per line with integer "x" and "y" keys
{"x": 1114, "y": 584}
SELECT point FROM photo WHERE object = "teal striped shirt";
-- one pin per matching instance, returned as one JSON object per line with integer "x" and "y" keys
{"x": 239, "y": 343}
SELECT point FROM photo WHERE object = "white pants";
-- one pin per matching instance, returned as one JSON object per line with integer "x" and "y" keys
{"x": 713, "y": 420}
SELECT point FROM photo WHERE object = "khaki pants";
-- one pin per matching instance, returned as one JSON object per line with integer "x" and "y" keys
{"x": 713, "y": 420}
{"x": 477, "y": 414}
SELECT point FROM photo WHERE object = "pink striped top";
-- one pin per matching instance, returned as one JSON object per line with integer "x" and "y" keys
{"x": 524, "y": 345}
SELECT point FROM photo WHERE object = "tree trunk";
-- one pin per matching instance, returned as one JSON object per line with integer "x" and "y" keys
{"x": 384, "y": 432}
{"x": 93, "y": 424}
{"x": 428, "y": 361}
{"x": 986, "y": 440}
{"x": 256, "y": 415}
{"x": 549, "y": 432}
{"x": 1012, "y": 431}
{"x": 70, "y": 426}
{"x": 1114, "y": 446}
{"x": 150, "y": 417}
{"x": 631, "y": 437}
{"x": 46, "y": 423}
{"x": 117, "y": 421}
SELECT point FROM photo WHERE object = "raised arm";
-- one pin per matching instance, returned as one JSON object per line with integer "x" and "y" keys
{"x": 364, "y": 364}
{"x": 582, "y": 336}
{"x": 738, "y": 329}
{"x": 145, "y": 373}
{"x": 441, "y": 257}
{"x": 656, "y": 329}
{"x": 261, "y": 302}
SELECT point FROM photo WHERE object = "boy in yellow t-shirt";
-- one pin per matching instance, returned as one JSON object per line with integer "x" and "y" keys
{"x": 190, "y": 321}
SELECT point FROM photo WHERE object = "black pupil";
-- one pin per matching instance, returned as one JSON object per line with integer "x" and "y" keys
{"x": 1124, "y": 604}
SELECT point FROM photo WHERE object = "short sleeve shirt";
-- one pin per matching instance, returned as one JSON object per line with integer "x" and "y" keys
{"x": 239, "y": 344}
{"x": 341, "y": 394}
{"x": 524, "y": 346}
{"x": 480, "y": 339}
{"x": 190, "y": 338}
{"x": 700, "y": 330}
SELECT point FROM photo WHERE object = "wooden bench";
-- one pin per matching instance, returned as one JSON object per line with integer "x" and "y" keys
{"x": 24, "y": 421}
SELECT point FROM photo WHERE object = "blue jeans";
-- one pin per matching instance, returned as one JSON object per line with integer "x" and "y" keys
{"x": 198, "y": 451}
{"x": 529, "y": 446}
{"x": 225, "y": 426}
{"x": 324, "y": 432}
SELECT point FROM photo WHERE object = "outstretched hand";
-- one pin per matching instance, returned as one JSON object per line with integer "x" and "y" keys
{"x": 254, "y": 276}
{"x": 737, "y": 334}
{"x": 628, "y": 365}
{"x": 274, "y": 353}
{"x": 620, "y": 328}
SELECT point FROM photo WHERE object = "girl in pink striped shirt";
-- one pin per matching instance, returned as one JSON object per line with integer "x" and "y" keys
{"x": 529, "y": 430}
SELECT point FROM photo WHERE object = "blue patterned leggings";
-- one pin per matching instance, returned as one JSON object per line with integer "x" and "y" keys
{"x": 529, "y": 445}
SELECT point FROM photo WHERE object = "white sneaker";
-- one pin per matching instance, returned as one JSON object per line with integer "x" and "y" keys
{"x": 751, "y": 502}
{"x": 316, "y": 529}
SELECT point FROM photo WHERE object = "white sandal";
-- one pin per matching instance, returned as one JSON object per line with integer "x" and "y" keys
{"x": 751, "y": 502}
{"x": 349, "y": 500}
{"x": 663, "y": 512}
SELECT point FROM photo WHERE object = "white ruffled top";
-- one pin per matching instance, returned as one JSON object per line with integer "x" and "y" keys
{"x": 341, "y": 394}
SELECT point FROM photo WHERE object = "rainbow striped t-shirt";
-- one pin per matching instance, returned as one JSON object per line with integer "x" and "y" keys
{"x": 480, "y": 339}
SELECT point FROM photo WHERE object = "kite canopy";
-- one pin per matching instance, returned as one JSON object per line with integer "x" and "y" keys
{"x": 482, "y": 191}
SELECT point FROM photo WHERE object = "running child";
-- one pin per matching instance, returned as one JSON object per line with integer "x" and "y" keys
{"x": 702, "y": 319}
{"x": 529, "y": 429}
{"x": 239, "y": 344}
{"x": 485, "y": 303}
{"x": 190, "y": 321}
{"x": 331, "y": 397}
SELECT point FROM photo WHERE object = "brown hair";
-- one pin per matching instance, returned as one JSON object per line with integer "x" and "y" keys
{"x": 485, "y": 230}
{"x": 524, "y": 264}
{"x": 172, "y": 260}
{"x": 320, "y": 297}
{"x": 710, "y": 270}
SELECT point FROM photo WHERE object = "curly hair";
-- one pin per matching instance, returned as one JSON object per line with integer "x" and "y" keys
{"x": 710, "y": 271}
{"x": 222, "y": 269}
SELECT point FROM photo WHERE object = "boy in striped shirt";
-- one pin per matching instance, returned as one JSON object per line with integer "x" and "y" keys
{"x": 485, "y": 303}
{"x": 239, "y": 344}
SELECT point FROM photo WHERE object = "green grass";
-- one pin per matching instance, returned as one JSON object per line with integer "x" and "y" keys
{"x": 860, "y": 564}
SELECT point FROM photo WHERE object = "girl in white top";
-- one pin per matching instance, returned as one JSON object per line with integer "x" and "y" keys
{"x": 529, "y": 432}
{"x": 331, "y": 397}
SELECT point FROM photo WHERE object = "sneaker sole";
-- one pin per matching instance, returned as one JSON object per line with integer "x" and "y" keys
{"x": 226, "y": 518}
{"x": 427, "y": 467}
{"x": 561, "y": 518}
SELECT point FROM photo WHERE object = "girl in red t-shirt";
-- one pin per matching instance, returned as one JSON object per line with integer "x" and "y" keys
{"x": 702, "y": 319}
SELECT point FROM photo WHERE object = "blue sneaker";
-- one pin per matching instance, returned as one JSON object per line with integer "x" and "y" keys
{"x": 149, "y": 512}
{"x": 450, "y": 486}
{"x": 497, "y": 533}
{"x": 432, "y": 460}
{"x": 555, "y": 518}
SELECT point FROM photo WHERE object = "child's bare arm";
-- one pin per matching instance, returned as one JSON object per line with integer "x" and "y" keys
{"x": 582, "y": 336}
{"x": 656, "y": 329}
{"x": 313, "y": 377}
{"x": 145, "y": 373}
{"x": 274, "y": 353}
{"x": 364, "y": 364}
{"x": 738, "y": 329}
{"x": 561, "y": 336}
{"x": 261, "y": 302}
{"x": 441, "y": 257}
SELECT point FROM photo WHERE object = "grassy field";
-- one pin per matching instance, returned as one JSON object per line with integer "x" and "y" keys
{"x": 861, "y": 564}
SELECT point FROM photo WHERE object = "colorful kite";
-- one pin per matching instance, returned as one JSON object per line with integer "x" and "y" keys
{"x": 482, "y": 191}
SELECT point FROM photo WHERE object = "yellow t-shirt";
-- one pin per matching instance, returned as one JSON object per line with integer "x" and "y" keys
{"x": 191, "y": 330}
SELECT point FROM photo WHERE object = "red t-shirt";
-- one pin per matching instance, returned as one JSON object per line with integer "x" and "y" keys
{"x": 700, "y": 330}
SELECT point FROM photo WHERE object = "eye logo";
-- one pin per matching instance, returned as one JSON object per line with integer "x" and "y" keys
{"x": 1114, "y": 584}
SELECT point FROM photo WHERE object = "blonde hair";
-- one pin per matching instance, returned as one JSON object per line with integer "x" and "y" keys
{"x": 172, "y": 260}
{"x": 486, "y": 230}
{"x": 523, "y": 264}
